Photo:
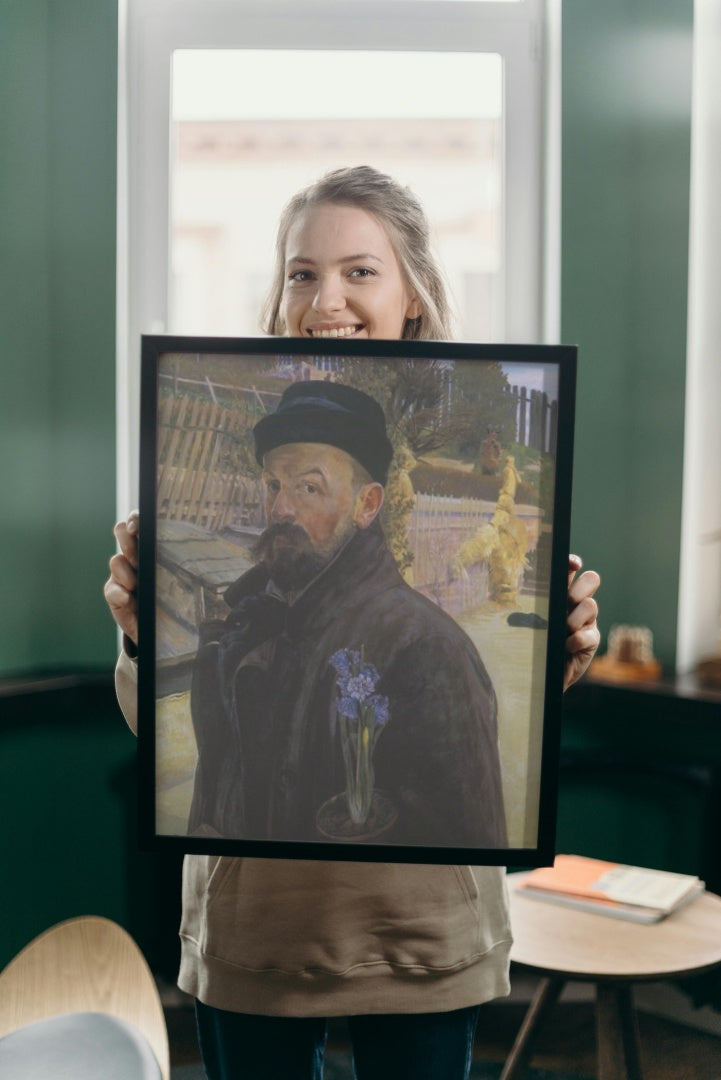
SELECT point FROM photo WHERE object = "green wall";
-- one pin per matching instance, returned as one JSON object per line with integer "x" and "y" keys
{"x": 625, "y": 200}
{"x": 58, "y": 73}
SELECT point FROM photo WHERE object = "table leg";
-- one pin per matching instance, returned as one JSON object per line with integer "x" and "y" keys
{"x": 545, "y": 997}
{"x": 617, "y": 1033}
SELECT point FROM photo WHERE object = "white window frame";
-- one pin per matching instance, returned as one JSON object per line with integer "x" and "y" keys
{"x": 526, "y": 34}
{"x": 699, "y": 597}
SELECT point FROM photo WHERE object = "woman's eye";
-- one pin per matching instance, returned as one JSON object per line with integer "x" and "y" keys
{"x": 300, "y": 276}
{"x": 362, "y": 272}
{"x": 310, "y": 489}
{"x": 272, "y": 487}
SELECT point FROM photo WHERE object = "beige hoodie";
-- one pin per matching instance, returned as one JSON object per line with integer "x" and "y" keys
{"x": 286, "y": 937}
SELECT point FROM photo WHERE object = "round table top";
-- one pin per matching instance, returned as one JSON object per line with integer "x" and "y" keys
{"x": 559, "y": 940}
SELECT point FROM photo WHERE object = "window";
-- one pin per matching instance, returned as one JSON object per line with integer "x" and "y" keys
{"x": 235, "y": 161}
{"x": 227, "y": 107}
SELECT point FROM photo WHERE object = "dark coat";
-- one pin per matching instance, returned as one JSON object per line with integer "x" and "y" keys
{"x": 263, "y": 706}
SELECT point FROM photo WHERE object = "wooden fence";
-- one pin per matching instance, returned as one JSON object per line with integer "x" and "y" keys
{"x": 197, "y": 480}
{"x": 536, "y": 418}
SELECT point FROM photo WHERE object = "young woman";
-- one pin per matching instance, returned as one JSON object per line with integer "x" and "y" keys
{"x": 272, "y": 948}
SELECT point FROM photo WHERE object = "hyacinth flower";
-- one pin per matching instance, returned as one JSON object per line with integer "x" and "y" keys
{"x": 362, "y": 714}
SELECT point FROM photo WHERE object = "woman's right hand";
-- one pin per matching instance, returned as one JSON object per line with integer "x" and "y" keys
{"x": 121, "y": 587}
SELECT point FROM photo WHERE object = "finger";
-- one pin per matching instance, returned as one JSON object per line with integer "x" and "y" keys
{"x": 118, "y": 598}
{"x": 583, "y": 641}
{"x": 122, "y": 572}
{"x": 585, "y": 585}
{"x": 575, "y": 562}
{"x": 126, "y": 534}
{"x": 123, "y": 608}
{"x": 122, "y": 604}
{"x": 584, "y": 613}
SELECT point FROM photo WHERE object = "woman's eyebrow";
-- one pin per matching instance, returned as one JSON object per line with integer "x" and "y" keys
{"x": 361, "y": 257}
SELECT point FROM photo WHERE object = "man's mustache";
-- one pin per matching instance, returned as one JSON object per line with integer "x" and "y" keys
{"x": 289, "y": 555}
{"x": 282, "y": 537}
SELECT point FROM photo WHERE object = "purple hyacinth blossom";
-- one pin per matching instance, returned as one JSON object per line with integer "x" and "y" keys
{"x": 360, "y": 686}
{"x": 348, "y": 707}
{"x": 356, "y": 682}
{"x": 381, "y": 709}
{"x": 341, "y": 662}
{"x": 370, "y": 671}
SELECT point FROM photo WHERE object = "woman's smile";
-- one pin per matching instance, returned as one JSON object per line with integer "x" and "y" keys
{"x": 334, "y": 331}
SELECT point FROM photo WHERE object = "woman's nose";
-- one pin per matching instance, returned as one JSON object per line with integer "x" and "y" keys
{"x": 329, "y": 296}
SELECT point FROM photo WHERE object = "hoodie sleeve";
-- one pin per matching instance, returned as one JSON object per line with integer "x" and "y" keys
{"x": 126, "y": 689}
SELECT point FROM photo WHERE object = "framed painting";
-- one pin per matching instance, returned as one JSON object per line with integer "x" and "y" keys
{"x": 352, "y": 597}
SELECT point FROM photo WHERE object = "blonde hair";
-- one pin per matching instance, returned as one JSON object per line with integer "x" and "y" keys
{"x": 403, "y": 217}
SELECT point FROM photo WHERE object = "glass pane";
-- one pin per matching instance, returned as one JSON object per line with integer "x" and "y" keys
{"x": 250, "y": 128}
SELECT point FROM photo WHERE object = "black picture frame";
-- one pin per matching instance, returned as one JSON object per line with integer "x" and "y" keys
{"x": 459, "y": 517}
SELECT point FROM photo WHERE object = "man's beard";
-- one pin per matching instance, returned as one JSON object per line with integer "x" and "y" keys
{"x": 290, "y": 557}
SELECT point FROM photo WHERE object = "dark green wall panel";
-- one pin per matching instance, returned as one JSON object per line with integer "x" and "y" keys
{"x": 626, "y": 146}
{"x": 68, "y": 799}
{"x": 64, "y": 788}
{"x": 58, "y": 76}
{"x": 26, "y": 484}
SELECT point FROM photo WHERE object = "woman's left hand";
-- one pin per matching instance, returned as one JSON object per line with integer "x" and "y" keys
{"x": 583, "y": 636}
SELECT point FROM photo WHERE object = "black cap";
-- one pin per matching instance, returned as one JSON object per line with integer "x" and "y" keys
{"x": 333, "y": 414}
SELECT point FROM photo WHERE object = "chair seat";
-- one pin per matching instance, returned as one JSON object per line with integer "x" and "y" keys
{"x": 78, "y": 1046}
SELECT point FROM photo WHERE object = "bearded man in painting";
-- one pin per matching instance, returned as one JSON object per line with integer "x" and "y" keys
{"x": 335, "y": 702}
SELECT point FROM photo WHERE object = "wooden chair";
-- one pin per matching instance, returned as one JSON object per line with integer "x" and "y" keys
{"x": 80, "y": 975}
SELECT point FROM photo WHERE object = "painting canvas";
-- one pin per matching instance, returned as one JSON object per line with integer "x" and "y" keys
{"x": 352, "y": 597}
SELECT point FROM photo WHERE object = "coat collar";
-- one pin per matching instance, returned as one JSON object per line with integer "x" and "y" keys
{"x": 364, "y": 566}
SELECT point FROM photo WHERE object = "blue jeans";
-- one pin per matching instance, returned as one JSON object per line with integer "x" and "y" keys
{"x": 415, "y": 1046}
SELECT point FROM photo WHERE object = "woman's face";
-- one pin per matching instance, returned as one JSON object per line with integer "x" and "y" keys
{"x": 342, "y": 277}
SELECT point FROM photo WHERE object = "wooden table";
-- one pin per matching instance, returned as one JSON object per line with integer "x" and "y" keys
{"x": 563, "y": 944}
